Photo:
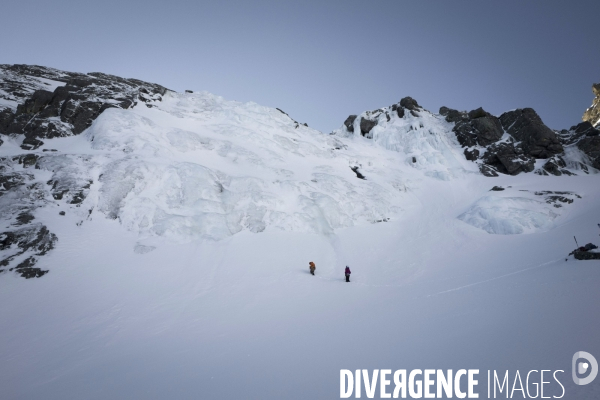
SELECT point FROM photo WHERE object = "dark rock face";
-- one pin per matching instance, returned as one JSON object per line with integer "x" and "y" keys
{"x": 508, "y": 159}
{"x": 400, "y": 112}
{"x": 410, "y": 104}
{"x": 349, "y": 123}
{"x": 576, "y": 133}
{"x": 366, "y": 125}
{"x": 34, "y": 239}
{"x": 586, "y": 255}
{"x": 471, "y": 155}
{"x": 585, "y": 129}
{"x": 453, "y": 115}
{"x": 477, "y": 127}
{"x": 526, "y": 126}
{"x": 553, "y": 166}
{"x": 68, "y": 109}
{"x": 529, "y": 139}
{"x": 590, "y": 145}
{"x": 24, "y": 218}
{"x": 587, "y": 139}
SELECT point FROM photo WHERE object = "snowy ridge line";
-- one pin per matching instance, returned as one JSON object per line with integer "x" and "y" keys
{"x": 496, "y": 278}
{"x": 515, "y": 142}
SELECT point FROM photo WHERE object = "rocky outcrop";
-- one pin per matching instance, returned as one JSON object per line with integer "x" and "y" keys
{"x": 508, "y": 159}
{"x": 592, "y": 114}
{"x": 410, "y": 104}
{"x": 554, "y": 166}
{"x": 527, "y": 127}
{"x": 366, "y": 125}
{"x": 31, "y": 242}
{"x": 577, "y": 132}
{"x": 510, "y": 144}
{"x": 24, "y": 240}
{"x": 349, "y": 123}
{"x": 19, "y": 196}
{"x": 476, "y": 127}
{"x": 370, "y": 119}
{"x": 587, "y": 139}
{"x": 68, "y": 109}
{"x": 586, "y": 255}
{"x": 590, "y": 145}
{"x": 528, "y": 139}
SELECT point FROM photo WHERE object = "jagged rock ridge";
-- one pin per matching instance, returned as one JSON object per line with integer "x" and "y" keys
{"x": 510, "y": 144}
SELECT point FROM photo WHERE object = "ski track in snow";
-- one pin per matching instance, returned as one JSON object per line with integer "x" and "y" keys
{"x": 520, "y": 271}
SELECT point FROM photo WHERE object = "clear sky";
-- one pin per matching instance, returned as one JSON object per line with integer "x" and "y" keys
{"x": 322, "y": 60}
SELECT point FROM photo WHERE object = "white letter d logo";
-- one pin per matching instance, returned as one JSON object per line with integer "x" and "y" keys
{"x": 582, "y": 367}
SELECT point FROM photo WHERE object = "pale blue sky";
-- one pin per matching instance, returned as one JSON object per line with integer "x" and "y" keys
{"x": 323, "y": 60}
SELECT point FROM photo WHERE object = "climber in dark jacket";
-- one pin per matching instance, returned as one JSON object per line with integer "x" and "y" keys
{"x": 347, "y": 272}
{"x": 312, "y": 267}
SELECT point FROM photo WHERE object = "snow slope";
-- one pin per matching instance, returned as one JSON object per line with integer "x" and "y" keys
{"x": 183, "y": 272}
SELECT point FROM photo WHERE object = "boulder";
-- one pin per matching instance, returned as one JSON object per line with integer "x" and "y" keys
{"x": 585, "y": 128}
{"x": 471, "y": 155}
{"x": 400, "y": 112}
{"x": 410, "y": 103}
{"x": 577, "y": 132}
{"x": 366, "y": 125}
{"x": 31, "y": 144}
{"x": 349, "y": 123}
{"x": 453, "y": 115}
